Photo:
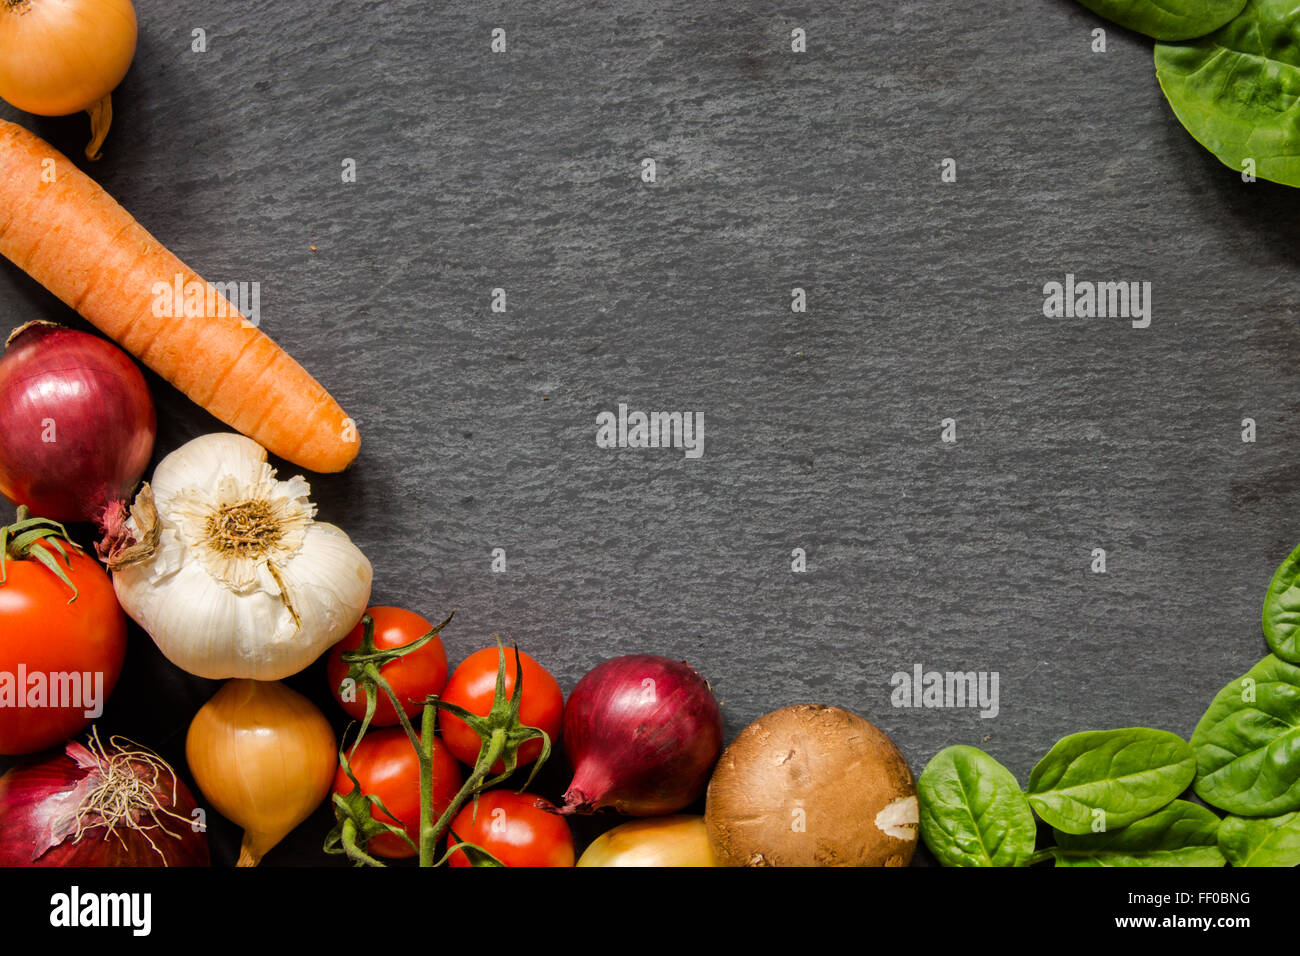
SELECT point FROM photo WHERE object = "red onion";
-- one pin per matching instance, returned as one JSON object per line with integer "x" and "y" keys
{"x": 77, "y": 424}
{"x": 643, "y": 733}
{"x": 96, "y": 806}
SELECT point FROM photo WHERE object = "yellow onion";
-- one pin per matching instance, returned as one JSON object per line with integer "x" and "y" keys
{"x": 59, "y": 57}
{"x": 654, "y": 841}
{"x": 264, "y": 757}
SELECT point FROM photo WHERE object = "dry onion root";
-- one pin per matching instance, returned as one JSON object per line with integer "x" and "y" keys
{"x": 59, "y": 57}
{"x": 97, "y": 805}
{"x": 129, "y": 789}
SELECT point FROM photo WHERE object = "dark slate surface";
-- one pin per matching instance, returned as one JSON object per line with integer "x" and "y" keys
{"x": 522, "y": 171}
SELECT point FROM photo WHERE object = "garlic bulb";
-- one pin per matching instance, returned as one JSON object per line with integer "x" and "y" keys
{"x": 229, "y": 572}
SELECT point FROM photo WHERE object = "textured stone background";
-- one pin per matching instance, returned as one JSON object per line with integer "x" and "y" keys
{"x": 821, "y": 170}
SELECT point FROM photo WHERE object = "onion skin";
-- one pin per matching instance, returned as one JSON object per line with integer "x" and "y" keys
{"x": 92, "y": 399}
{"x": 24, "y": 790}
{"x": 681, "y": 840}
{"x": 59, "y": 57}
{"x": 63, "y": 57}
{"x": 643, "y": 733}
{"x": 264, "y": 757}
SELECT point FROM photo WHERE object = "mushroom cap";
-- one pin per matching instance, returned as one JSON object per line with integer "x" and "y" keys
{"x": 812, "y": 785}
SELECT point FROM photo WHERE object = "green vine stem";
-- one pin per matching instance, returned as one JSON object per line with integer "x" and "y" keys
{"x": 501, "y": 734}
{"x": 38, "y": 539}
{"x": 500, "y": 731}
{"x": 365, "y": 664}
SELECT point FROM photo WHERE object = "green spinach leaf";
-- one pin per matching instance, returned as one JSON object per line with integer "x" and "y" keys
{"x": 1237, "y": 91}
{"x": 972, "y": 811}
{"x": 1168, "y": 19}
{"x": 1282, "y": 607}
{"x": 1182, "y": 834}
{"x": 1266, "y": 841}
{"x": 1248, "y": 743}
{"x": 1107, "y": 779}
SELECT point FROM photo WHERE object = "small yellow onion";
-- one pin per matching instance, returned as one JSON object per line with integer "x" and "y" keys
{"x": 59, "y": 57}
{"x": 264, "y": 757}
{"x": 654, "y": 841}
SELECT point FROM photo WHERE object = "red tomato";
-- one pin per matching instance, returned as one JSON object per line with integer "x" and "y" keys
{"x": 387, "y": 767}
{"x": 42, "y": 634}
{"x": 473, "y": 686}
{"x": 519, "y": 829}
{"x": 413, "y": 677}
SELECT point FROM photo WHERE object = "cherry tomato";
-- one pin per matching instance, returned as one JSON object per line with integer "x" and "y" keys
{"x": 413, "y": 677}
{"x": 473, "y": 686}
{"x": 41, "y": 633}
{"x": 519, "y": 829}
{"x": 387, "y": 767}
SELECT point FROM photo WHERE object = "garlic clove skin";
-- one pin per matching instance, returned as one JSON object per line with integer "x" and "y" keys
{"x": 202, "y": 628}
{"x": 203, "y": 461}
{"x": 234, "y": 542}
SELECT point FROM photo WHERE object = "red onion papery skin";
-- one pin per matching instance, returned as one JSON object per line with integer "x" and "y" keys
{"x": 639, "y": 748}
{"x": 35, "y": 795}
{"x": 103, "y": 423}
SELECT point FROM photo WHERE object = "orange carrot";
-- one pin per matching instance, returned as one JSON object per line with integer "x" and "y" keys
{"x": 69, "y": 235}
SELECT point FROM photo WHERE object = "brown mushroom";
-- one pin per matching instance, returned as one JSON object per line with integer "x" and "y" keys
{"x": 811, "y": 785}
